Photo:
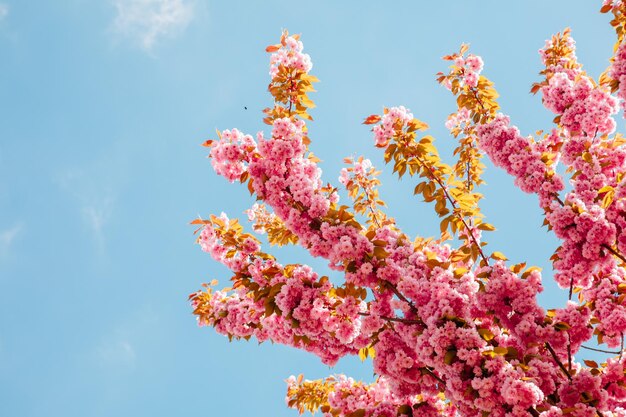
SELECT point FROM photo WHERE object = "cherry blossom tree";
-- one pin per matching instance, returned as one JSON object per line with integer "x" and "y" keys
{"x": 452, "y": 327}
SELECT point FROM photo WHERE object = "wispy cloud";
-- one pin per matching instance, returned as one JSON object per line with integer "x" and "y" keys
{"x": 4, "y": 10}
{"x": 117, "y": 353}
{"x": 145, "y": 21}
{"x": 96, "y": 215}
{"x": 7, "y": 237}
{"x": 118, "y": 349}
{"x": 96, "y": 196}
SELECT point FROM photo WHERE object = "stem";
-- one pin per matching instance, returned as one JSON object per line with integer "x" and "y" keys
{"x": 396, "y": 319}
{"x": 569, "y": 352}
{"x": 614, "y": 252}
{"x": 558, "y": 198}
{"x": 533, "y": 412}
{"x": 453, "y": 203}
{"x": 291, "y": 89}
{"x": 558, "y": 362}
{"x": 566, "y": 372}
{"x": 468, "y": 166}
{"x": 374, "y": 217}
{"x": 584, "y": 395}
{"x": 478, "y": 100}
{"x": 431, "y": 373}
{"x": 571, "y": 287}
{"x": 371, "y": 205}
{"x": 399, "y": 294}
{"x": 600, "y": 350}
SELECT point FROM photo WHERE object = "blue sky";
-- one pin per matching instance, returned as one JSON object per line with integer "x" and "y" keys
{"x": 104, "y": 104}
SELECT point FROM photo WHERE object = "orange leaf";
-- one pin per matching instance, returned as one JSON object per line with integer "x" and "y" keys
{"x": 272, "y": 48}
{"x": 591, "y": 364}
{"x": 200, "y": 221}
{"x": 373, "y": 119}
{"x": 208, "y": 143}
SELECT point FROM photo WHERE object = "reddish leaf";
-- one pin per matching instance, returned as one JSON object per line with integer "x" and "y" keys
{"x": 373, "y": 119}
{"x": 200, "y": 221}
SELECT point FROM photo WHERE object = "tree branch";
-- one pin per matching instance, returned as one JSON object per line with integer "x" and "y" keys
{"x": 614, "y": 252}
{"x": 453, "y": 203}
{"x": 558, "y": 362}
{"x": 600, "y": 350}
{"x": 397, "y": 319}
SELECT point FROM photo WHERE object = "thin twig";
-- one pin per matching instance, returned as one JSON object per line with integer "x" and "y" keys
{"x": 396, "y": 319}
{"x": 558, "y": 362}
{"x": 453, "y": 203}
{"x": 569, "y": 352}
{"x": 399, "y": 294}
{"x": 431, "y": 373}
{"x": 614, "y": 252}
{"x": 557, "y": 198}
{"x": 571, "y": 287}
{"x": 600, "y": 350}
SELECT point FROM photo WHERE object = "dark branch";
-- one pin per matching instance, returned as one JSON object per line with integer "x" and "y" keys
{"x": 600, "y": 350}
{"x": 558, "y": 362}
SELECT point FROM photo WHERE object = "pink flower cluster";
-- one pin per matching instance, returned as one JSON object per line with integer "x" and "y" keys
{"x": 472, "y": 65}
{"x": 618, "y": 72}
{"x": 512, "y": 301}
{"x": 436, "y": 323}
{"x": 612, "y": 380}
{"x": 384, "y": 131}
{"x": 229, "y": 155}
{"x": 520, "y": 157}
{"x": 584, "y": 230}
{"x": 583, "y": 107}
{"x": 587, "y": 225}
{"x": 259, "y": 214}
{"x": 309, "y": 317}
{"x": 563, "y": 63}
{"x": 376, "y": 400}
{"x": 359, "y": 169}
{"x": 290, "y": 55}
{"x": 608, "y": 309}
{"x": 468, "y": 70}
{"x": 458, "y": 119}
{"x": 290, "y": 184}
{"x": 210, "y": 242}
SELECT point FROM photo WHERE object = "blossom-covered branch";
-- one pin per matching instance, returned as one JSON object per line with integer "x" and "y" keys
{"x": 451, "y": 329}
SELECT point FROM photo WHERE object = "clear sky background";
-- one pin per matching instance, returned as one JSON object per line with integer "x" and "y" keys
{"x": 103, "y": 106}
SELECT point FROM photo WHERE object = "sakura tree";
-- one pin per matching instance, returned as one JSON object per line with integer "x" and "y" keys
{"x": 452, "y": 328}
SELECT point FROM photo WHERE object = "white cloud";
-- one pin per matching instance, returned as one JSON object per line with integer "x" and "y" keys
{"x": 119, "y": 354}
{"x": 96, "y": 215}
{"x": 119, "y": 348}
{"x": 4, "y": 10}
{"x": 96, "y": 197}
{"x": 145, "y": 21}
{"x": 7, "y": 237}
